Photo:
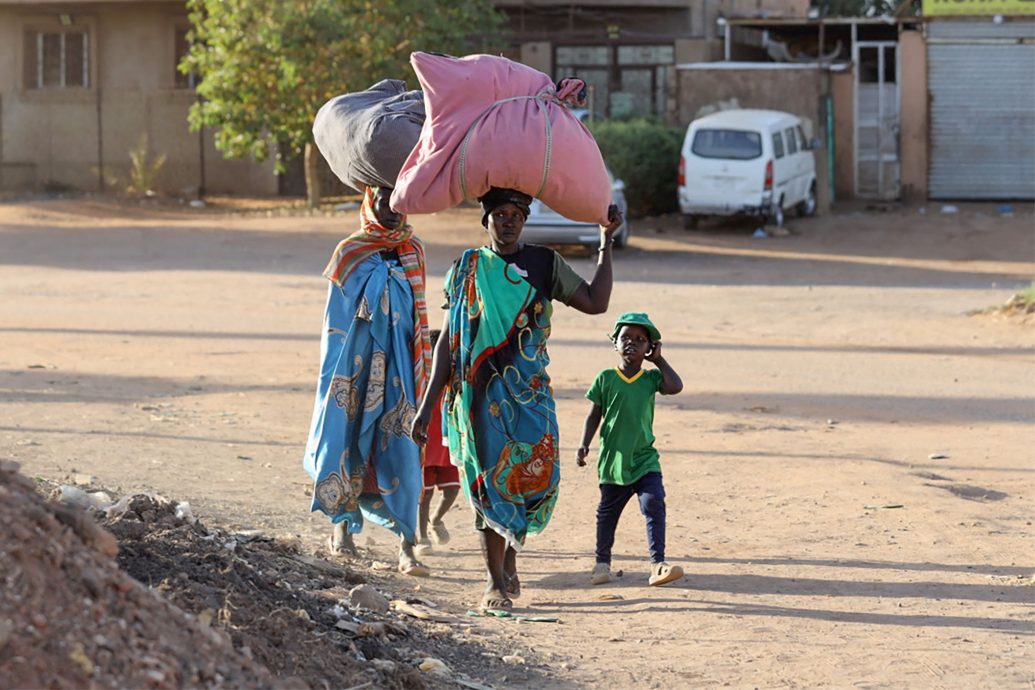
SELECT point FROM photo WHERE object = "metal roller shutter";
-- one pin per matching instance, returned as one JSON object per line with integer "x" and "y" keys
{"x": 982, "y": 101}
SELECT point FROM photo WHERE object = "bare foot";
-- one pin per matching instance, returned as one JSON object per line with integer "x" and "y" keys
{"x": 340, "y": 542}
{"x": 440, "y": 532}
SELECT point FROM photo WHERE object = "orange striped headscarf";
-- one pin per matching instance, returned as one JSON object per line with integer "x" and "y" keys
{"x": 371, "y": 238}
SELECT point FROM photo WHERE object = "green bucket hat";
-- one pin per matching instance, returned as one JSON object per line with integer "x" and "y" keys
{"x": 636, "y": 318}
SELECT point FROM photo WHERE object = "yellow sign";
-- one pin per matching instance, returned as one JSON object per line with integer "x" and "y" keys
{"x": 951, "y": 8}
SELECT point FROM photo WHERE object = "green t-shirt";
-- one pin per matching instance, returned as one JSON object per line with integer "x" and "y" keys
{"x": 626, "y": 424}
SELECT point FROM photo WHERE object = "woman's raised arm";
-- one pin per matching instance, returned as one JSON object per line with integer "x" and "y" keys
{"x": 595, "y": 296}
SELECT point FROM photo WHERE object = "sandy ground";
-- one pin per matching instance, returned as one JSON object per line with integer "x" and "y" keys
{"x": 849, "y": 468}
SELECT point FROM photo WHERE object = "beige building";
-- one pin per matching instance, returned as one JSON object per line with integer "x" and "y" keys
{"x": 82, "y": 81}
{"x": 626, "y": 51}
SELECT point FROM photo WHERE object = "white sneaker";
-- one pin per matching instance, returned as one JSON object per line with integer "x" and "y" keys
{"x": 601, "y": 574}
{"x": 663, "y": 573}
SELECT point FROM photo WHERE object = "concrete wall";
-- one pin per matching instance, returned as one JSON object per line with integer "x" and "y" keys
{"x": 763, "y": 8}
{"x": 55, "y": 132}
{"x": 575, "y": 23}
{"x": 698, "y": 50}
{"x": 794, "y": 90}
{"x": 913, "y": 137}
{"x": 538, "y": 55}
{"x": 842, "y": 88}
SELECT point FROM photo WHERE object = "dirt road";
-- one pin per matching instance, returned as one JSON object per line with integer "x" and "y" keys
{"x": 849, "y": 469}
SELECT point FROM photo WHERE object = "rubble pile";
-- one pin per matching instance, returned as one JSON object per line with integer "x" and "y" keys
{"x": 138, "y": 593}
{"x": 69, "y": 617}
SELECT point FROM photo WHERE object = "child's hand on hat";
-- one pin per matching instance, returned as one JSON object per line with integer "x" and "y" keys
{"x": 654, "y": 354}
{"x": 580, "y": 456}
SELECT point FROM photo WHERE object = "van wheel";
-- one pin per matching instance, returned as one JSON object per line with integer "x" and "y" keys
{"x": 690, "y": 222}
{"x": 807, "y": 207}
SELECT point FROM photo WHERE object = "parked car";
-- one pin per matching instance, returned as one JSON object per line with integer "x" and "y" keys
{"x": 754, "y": 162}
{"x": 546, "y": 226}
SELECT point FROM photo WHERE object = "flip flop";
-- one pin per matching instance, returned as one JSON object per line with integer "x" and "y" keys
{"x": 513, "y": 586}
{"x": 346, "y": 548}
{"x": 493, "y": 602}
{"x": 423, "y": 549}
{"x": 414, "y": 569}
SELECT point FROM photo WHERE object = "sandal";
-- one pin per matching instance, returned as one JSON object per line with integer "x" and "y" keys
{"x": 341, "y": 543}
{"x": 413, "y": 568}
{"x": 513, "y": 586}
{"x": 663, "y": 573}
{"x": 423, "y": 548}
{"x": 440, "y": 532}
{"x": 492, "y": 601}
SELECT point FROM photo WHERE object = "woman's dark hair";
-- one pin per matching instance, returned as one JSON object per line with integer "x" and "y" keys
{"x": 498, "y": 196}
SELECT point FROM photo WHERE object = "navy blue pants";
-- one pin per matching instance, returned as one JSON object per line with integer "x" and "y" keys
{"x": 613, "y": 498}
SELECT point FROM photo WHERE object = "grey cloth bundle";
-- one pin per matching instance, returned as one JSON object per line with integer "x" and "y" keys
{"x": 366, "y": 136}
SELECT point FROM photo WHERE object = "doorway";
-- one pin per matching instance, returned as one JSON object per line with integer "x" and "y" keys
{"x": 876, "y": 136}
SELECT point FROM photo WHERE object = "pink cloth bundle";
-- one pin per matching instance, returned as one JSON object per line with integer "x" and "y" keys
{"x": 492, "y": 122}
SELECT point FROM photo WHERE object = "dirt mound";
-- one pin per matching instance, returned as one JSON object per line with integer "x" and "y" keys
{"x": 159, "y": 600}
{"x": 70, "y": 618}
{"x": 278, "y": 605}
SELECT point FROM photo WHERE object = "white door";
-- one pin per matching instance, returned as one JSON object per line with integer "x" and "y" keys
{"x": 796, "y": 150}
{"x": 877, "y": 168}
{"x": 807, "y": 162}
{"x": 783, "y": 169}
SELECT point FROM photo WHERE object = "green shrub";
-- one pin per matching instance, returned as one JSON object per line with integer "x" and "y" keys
{"x": 645, "y": 155}
{"x": 143, "y": 170}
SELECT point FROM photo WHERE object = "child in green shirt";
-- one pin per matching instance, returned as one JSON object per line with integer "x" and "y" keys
{"x": 628, "y": 463}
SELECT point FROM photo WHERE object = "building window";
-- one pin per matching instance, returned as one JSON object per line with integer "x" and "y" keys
{"x": 181, "y": 49}
{"x": 625, "y": 81}
{"x": 57, "y": 59}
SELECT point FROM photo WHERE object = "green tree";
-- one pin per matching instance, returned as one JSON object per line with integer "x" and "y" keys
{"x": 266, "y": 66}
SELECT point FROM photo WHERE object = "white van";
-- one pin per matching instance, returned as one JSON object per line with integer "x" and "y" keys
{"x": 754, "y": 162}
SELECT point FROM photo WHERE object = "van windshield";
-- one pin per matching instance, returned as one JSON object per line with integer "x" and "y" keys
{"x": 732, "y": 144}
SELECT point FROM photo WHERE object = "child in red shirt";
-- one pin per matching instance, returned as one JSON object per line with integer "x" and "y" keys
{"x": 439, "y": 473}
